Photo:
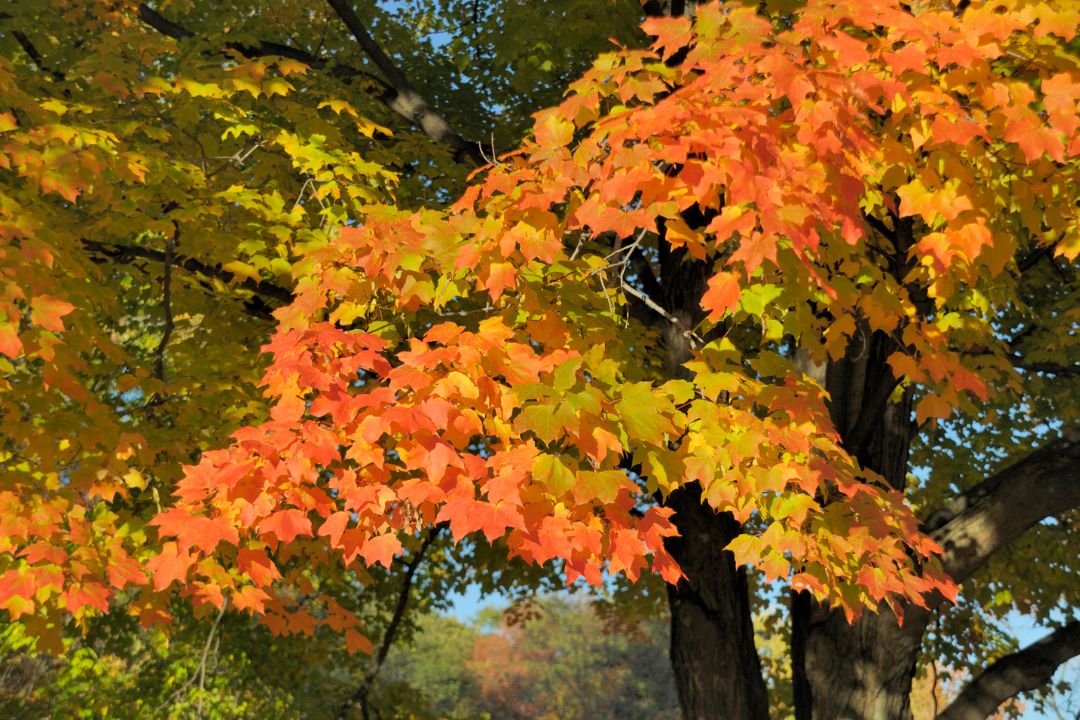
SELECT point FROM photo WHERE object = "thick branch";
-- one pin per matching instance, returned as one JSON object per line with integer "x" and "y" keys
{"x": 162, "y": 24}
{"x": 127, "y": 253}
{"x": 976, "y": 524}
{"x": 405, "y": 100}
{"x": 31, "y": 51}
{"x": 402, "y": 99}
{"x": 1027, "y": 669}
{"x": 263, "y": 49}
{"x": 1044, "y": 367}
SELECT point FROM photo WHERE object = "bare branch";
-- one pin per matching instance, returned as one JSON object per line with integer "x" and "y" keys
{"x": 1027, "y": 669}
{"x": 206, "y": 650}
{"x": 695, "y": 340}
{"x": 1044, "y": 367}
{"x": 360, "y": 696}
{"x": 406, "y": 101}
{"x": 127, "y": 253}
{"x": 263, "y": 48}
{"x": 32, "y": 51}
{"x": 166, "y": 303}
{"x": 162, "y": 24}
{"x": 398, "y": 94}
{"x": 976, "y": 524}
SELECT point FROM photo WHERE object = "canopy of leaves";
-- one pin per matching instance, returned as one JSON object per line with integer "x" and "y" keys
{"x": 842, "y": 169}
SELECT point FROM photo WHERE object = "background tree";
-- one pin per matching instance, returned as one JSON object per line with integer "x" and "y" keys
{"x": 708, "y": 297}
{"x": 558, "y": 660}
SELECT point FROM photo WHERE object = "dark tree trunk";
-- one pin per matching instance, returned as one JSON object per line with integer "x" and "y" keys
{"x": 717, "y": 670}
{"x": 864, "y": 670}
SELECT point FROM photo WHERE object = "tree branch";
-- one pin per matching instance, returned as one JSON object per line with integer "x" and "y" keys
{"x": 976, "y": 524}
{"x": 166, "y": 303}
{"x": 264, "y": 48}
{"x": 127, "y": 253}
{"x": 881, "y": 227}
{"x": 35, "y": 56}
{"x": 1027, "y": 669}
{"x": 695, "y": 340}
{"x": 360, "y": 696}
{"x": 405, "y": 100}
{"x": 162, "y": 24}
{"x": 1044, "y": 367}
{"x": 397, "y": 94}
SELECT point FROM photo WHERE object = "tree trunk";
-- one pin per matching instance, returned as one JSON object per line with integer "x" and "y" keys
{"x": 861, "y": 671}
{"x": 717, "y": 670}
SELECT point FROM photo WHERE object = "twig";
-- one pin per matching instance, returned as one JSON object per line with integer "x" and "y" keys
{"x": 303, "y": 189}
{"x": 166, "y": 301}
{"x": 630, "y": 253}
{"x": 200, "y": 672}
{"x": 360, "y": 696}
{"x": 696, "y": 341}
{"x": 206, "y": 653}
{"x": 607, "y": 295}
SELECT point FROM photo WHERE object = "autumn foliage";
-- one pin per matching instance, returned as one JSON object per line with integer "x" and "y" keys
{"x": 479, "y": 366}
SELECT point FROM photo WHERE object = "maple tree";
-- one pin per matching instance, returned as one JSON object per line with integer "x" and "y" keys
{"x": 743, "y": 297}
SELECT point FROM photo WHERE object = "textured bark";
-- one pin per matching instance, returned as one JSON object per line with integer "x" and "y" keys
{"x": 717, "y": 670}
{"x": 863, "y": 670}
{"x": 976, "y": 524}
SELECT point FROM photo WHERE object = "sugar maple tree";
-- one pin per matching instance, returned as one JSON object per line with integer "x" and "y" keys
{"x": 695, "y": 322}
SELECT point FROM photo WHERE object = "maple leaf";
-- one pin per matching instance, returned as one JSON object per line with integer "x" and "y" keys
{"x": 355, "y": 642}
{"x": 722, "y": 296}
{"x": 380, "y": 549}
{"x": 286, "y": 525}
{"x": 193, "y": 531}
{"x": 10, "y": 344}
{"x": 334, "y": 526}
{"x": 168, "y": 566}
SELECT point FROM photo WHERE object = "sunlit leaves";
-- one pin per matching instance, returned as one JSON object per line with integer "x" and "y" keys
{"x": 855, "y": 169}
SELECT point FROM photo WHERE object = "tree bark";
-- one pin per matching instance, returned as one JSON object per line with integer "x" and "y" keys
{"x": 862, "y": 670}
{"x": 717, "y": 669}
{"x": 715, "y": 661}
